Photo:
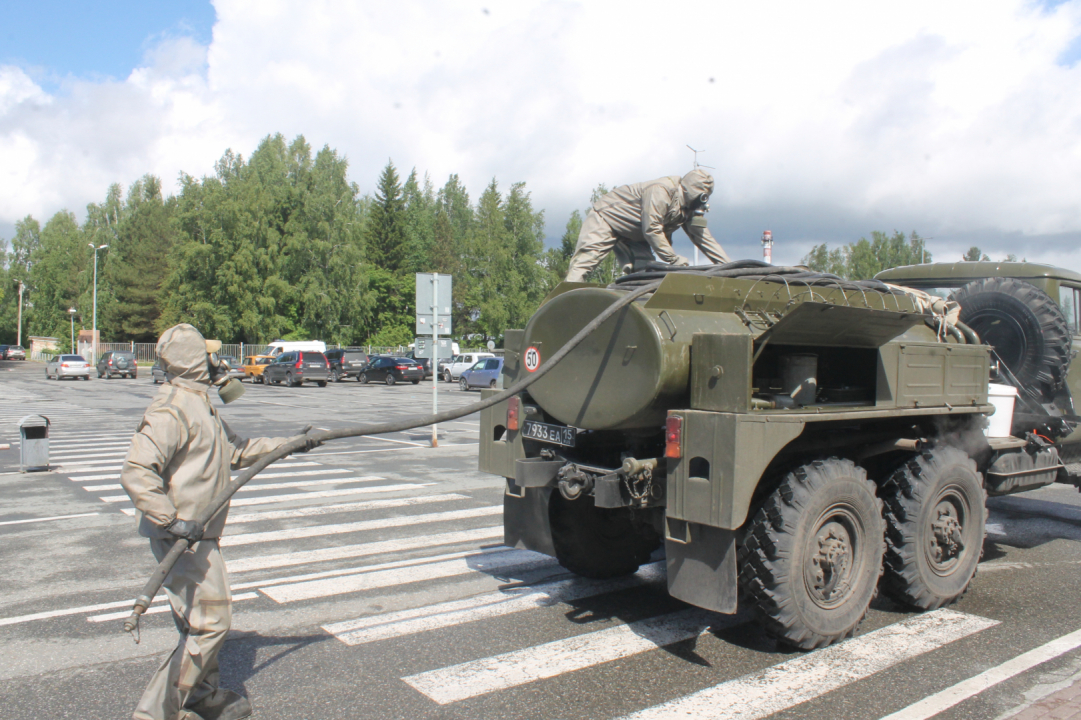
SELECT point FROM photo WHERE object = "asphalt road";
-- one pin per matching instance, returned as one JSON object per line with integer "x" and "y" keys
{"x": 369, "y": 582}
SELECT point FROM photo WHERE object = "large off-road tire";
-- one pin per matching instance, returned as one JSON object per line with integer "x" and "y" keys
{"x": 935, "y": 510}
{"x": 598, "y": 542}
{"x": 1024, "y": 325}
{"x": 812, "y": 555}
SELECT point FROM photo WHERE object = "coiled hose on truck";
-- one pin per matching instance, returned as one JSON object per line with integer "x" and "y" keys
{"x": 142, "y": 602}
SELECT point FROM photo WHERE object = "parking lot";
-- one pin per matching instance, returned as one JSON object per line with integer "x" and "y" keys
{"x": 370, "y": 582}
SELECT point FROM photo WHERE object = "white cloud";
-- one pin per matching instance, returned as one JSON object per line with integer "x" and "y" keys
{"x": 824, "y": 124}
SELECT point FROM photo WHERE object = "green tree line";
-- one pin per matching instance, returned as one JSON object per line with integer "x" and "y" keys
{"x": 282, "y": 245}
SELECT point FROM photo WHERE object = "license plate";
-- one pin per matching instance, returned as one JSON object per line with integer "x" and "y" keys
{"x": 314, "y": 365}
{"x": 556, "y": 434}
{"x": 355, "y": 364}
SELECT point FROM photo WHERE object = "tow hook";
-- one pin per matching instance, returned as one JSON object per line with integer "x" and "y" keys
{"x": 573, "y": 482}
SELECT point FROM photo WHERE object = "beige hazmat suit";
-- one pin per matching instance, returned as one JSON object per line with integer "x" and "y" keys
{"x": 179, "y": 460}
{"x": 638, "y": 220}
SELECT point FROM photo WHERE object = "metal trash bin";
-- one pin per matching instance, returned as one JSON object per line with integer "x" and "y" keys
{"x": 34, "y": 443}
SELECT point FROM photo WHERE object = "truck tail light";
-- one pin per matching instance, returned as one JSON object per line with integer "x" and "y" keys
{"x": 514, "y": 413}
{"x": 673, "y": 437}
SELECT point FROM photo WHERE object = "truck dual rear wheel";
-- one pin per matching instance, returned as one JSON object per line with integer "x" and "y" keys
{"x": 935, "y": 510}
{"x": 598, "y": 542}
{"x": 811, "y": 556}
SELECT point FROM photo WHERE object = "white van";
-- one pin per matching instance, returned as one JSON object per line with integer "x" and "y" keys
{"x": 279, "y": 346}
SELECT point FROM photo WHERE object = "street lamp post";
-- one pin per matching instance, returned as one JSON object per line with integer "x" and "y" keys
{"x": 72, "y": 311}
{"x": 96, "y": 248}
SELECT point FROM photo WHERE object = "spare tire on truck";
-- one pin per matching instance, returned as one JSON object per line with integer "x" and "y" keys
{"x": 1024, "y": 325}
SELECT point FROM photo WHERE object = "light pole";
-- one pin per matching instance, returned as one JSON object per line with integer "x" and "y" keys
{"x": 96, "y": 248}
{"x": 72, "y": 311}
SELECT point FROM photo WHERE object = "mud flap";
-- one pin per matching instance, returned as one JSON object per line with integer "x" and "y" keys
{"x": 701, "y": 564}
{"x": 525, "y": 518}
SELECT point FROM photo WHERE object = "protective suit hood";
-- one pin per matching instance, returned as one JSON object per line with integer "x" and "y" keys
{"x": 182, "y": 350}
{"x": 695, "y": 184}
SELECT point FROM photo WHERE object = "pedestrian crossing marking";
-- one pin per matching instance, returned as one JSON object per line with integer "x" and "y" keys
{"x": 521, "y": 560}
{"x": 481, "y": 607}
{"x": 519, "y": 667}
{"x": 358, "y": 526}
{"x": 777, "y": 688}
{"x": 344, "y": 552}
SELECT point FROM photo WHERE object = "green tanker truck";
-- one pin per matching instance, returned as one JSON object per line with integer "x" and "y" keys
{"x": 791, "y": 438}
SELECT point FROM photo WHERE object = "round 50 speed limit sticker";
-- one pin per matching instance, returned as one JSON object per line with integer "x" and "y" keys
{"x": 532, "y": 358}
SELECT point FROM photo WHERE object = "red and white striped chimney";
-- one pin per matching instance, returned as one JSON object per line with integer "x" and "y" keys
{"x": 767, "y": 247}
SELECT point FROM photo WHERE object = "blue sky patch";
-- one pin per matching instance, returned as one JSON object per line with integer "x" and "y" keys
{"x": 58, "y": 39}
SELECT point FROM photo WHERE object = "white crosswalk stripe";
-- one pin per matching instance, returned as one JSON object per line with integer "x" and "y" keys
{"x": 358, "y": 526}
{"x": 344, "y": 552}
{"x": 783, "y": 686}
{"x": 268, "y": 499}
{"x": 237, "y": 519}
{"x": 489, "y": 605}
{"x": 520, "y": 559}
{"x": 486, "y": 675}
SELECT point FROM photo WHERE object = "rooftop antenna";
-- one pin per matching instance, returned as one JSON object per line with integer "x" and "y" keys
{"x": 696, "y": 165}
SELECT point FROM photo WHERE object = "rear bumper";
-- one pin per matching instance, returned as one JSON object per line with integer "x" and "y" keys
{"x": 73, "y": 372}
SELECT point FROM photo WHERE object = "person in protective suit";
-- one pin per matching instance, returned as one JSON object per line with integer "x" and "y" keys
{"x": 180, "y": 458}
{"x": 638, "y": 220}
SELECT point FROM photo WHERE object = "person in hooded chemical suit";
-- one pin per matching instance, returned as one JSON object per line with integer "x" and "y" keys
{"x": 180, "y": 458}
{"x": 637, "y": 221}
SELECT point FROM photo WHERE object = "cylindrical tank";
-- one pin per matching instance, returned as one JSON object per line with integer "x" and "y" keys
{"x": 628, "y": 373}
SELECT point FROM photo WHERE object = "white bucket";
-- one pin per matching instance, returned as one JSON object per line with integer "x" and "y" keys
{"x": 1002, "y": 397}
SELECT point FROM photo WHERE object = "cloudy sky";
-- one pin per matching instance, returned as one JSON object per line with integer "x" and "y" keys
{"x": 823, "y": 121}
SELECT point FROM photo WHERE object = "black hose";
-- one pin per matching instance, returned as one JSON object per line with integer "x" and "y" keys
{"x": 156, "y": 580}
{"x": 754, "y": 269}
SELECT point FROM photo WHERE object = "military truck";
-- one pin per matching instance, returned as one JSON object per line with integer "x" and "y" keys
{"x": 794, "y": 440}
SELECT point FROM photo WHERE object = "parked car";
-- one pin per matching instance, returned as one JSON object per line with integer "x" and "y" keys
{"x": 460, "y": 363}
{"x": 391, "y": 370}
{"x": 296, "y": 368}
{"x": 235, "y": 369}
{"x": 3, "y": 351}
{"x": 255, "y": 365}
{"x": 158, "y": 372}
{"x": 68, "y": 366}
{"x": 118, "y": 362}
{"x": 425, "y": 363}
{"x": 485, "y": 374}
{"x": 14, "y": 352}
{"x": 346, "y": 363}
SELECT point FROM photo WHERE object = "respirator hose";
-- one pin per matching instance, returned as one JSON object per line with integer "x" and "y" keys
{"x": 156, "y": 580}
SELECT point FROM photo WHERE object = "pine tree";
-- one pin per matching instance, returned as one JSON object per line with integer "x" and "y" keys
{"x": 386, "y": 225}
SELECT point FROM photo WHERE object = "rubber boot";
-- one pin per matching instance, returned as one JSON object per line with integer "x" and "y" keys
{"x": 223, "y": 704}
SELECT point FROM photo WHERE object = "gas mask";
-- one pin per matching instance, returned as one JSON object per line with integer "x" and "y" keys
{"x": 697, "y": 187}
{"x": 698, "y": 207}
{"x": 229, "y": 389}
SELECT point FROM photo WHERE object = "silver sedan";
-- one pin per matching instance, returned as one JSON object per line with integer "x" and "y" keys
{"x": 67, "y": 366}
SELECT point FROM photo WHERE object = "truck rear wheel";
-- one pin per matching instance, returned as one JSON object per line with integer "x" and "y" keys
{"x": 935, "y": 510}
{"x": 812, "y": 554}
{"x": 598, "y": 542}
{"x": 1025, "y": 326}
